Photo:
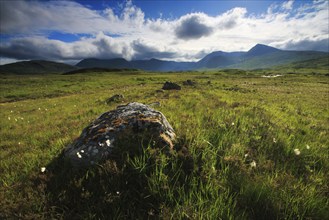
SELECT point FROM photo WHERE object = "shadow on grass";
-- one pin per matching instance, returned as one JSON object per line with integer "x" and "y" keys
{"x": 103, "y": 191}
{"x": 125, "y": 188}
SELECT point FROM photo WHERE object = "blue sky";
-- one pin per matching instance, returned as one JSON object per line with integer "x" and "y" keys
{"x": 183, "y": 30}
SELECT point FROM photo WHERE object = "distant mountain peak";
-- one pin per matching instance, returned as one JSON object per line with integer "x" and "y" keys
{"x": 261, "y": 49}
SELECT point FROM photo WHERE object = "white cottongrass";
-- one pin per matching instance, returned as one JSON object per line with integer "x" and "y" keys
{"x": 232, "y": 123}
{"x": 253, "y": 164}
{"x": 79, "y": 155}
{"x": 308, "y": 147}
{"x": 43, "y": 169}
{"x": 108, "y": 142}
{"x": 274, "y": 140}
{"x": 297, "y": 151}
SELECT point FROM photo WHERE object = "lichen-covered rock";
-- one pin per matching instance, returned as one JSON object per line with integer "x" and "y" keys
{"x": 125, "y": 129}
{"x": 171, "y": 86}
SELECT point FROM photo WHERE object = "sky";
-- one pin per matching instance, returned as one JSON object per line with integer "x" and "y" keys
{"x": 182, "y": 30}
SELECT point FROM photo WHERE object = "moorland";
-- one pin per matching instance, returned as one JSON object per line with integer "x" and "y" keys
{"x": 258, "y": 144}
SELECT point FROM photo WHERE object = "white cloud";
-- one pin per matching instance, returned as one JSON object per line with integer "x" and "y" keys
{"x": 186, "y": 38}
{"x": 287, "y": 5}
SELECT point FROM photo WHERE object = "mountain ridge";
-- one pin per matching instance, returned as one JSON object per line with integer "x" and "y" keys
{"x": 259, "y": 56}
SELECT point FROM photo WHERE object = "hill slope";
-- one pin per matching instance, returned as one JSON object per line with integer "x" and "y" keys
{"x": 36, "y": 67}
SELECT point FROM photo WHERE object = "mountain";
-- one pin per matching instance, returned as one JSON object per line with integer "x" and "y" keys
{"x": 276, "y": 58}
{"x": 219, "y": 59}
{"x": 259, "y": 56}
{"x": 110, "y": 63}
{"x": 36, "y": 67}
{"x": 260, "y": 50}
{"x": 148, "y": 65}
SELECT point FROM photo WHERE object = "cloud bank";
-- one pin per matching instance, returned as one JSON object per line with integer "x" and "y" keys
{"x": 26, "y": 26}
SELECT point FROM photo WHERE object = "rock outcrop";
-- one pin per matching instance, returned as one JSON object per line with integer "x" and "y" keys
{"x": 126, "y": 129}
{"x": 171, "y": 86}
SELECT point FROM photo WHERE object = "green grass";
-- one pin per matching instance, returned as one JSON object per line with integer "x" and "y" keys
{"x": 237, "y": 120}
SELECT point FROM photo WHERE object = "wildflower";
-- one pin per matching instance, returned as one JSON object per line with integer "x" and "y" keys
{"x": 82, "y": 151}
{"x": 19, "y": 143}
{"x": 79, "y": 155}
{"x": 274, "y": 140}
{"x": 108, "y": 142}
{"x": 307, "y": 147}
{"x": 9, "y": 118}
{"x": 118, "y": 192}
{"x": 297, "y": 151}
{"x": 246, "y": 155}
{"x": 43, "y": 169}
{"x": 232, "y": 123}
{"x": 39, "y": 109}
{"x": 253, "y": 164}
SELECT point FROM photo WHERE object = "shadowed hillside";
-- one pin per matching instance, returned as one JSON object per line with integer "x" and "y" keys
{"x": 36, "y": 67}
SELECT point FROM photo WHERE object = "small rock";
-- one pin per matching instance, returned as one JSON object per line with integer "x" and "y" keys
{"x": 171, "y": 86}
{"x": 115, "y": 98}
{"x": 189, "y": 83}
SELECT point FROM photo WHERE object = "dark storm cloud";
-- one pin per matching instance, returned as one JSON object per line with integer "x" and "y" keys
{"x": 101, "y": 46}
{"x": 316, "y": 45}
{"x": 29, "y": 48}
{"x": 143, "y": 51}
{"x": 192, "y": 28}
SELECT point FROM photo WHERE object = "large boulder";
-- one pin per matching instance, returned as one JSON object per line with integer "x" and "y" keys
{"x": 126, "y": 129}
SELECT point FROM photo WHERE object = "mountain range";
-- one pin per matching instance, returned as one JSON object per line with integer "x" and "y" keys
{"x": 260, "y": 56}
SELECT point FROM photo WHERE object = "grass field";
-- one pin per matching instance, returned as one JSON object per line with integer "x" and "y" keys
{"x": 259, "y": 147}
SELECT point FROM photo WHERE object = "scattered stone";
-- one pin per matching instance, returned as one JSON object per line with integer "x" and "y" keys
{"x": 124, "y": 130}
{"x": 115, "y": 98}
{"x": 171, "y": 86}
{"x": 189, "y": 83}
